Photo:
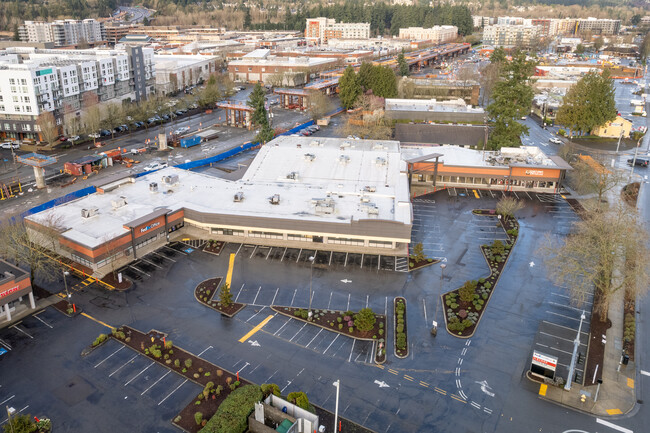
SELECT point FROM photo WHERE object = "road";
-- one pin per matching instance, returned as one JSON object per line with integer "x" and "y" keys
{"x": 136, "y": 14}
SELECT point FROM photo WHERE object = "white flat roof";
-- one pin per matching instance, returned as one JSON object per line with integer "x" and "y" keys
{"x": 464, "y": 157}
{"x": 371, "y": 175}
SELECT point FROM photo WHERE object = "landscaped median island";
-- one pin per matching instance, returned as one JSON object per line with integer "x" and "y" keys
{"x": 401, "y": 340}
{"x": 213, "y": 247}
{"x": 205, "y": 291}
{"x": 364, "y": 325}
{"x": 418, "y": 259}
{"x": 464, "y": 306}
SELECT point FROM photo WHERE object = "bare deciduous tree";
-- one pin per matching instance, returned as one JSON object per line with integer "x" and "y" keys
{"x": 318, "y": 104}
{"x": 48, "y": 128}
{"x": 592, "y": 177}
{"x": 92, "y": 120}
{"x": 508, "y": 206}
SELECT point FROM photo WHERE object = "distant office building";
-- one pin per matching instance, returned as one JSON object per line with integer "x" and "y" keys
{"x": 436, "y": 34}
{"x": 601, "y": 26}
{"x": 319, "y": 30}
{"x": 115, "y": 32}
{"x": 510, "y": 36}
{"x": 35, "y": 81}
{"x": 421, "y": 110}
{"x": 176, "y": 72}
{"x": 63, "y": 32}
{"x": 510, "y": 21}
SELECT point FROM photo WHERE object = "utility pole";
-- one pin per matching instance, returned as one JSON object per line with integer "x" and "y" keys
{"x": 434, "y": 329}
{"x": 576, "y": 344}
{"x": 337, "y": 384}
{"x": 311, "y": 277}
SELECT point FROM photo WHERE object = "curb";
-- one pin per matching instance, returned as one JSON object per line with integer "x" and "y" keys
{"x": 395, "y": 325}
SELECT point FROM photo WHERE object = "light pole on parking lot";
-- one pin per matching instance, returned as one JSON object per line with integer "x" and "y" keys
{"x": 65, "y": 283}
{"x": 311, "y": 277}
{"x": 337, "y": 384}
{"x": 434, "y": 330}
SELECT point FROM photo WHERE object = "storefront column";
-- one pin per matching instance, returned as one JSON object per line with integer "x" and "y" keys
{"x": 31, "y": 301}
{"x": 8, "y": 313}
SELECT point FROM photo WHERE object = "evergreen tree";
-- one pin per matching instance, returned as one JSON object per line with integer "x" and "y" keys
{"x": 256, "y": 101}
{"x": 511, "y": 99}
{"x": 247, "y": 18}
{"x": 403, "y": 66}
{"x": 225, "y": 297}
{"x": 349, "y": 88}
{"x": 365, "y": 75}
{"x": 16, "y": 34}
{"x": 266, "y": 134}
{"x": 383, "y": 82}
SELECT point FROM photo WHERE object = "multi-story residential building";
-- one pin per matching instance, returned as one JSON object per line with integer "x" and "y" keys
{"x": 509, "y": 36}
{"x": 437, "y": 34}
{"x": 510, "y": 21}
{"x": 603, "y": 26}
{"x": 63, "y": 32}
{"x": 65, "y": 82}
{"x": 176, "y": 72}
{"x": 319, "y": 30}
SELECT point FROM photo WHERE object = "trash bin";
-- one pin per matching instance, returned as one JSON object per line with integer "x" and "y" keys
{"x": 626, "y": 359}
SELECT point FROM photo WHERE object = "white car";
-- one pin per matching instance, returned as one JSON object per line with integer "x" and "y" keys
{"x": 182, "y": 130}
{"x": 73, "y": 138}
{"x": 10, "y": 145}
{"x": 155, "y": 166}
{"x": 94, "y": 135}
{"x": 555, "y": 140}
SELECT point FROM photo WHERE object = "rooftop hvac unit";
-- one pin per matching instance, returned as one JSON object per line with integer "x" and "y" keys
{"x": 87, "y": 213}
{"x": 365, "y": 199}
{"x": 119, "y": 202}
{"x": 344, "y": 159}
{"x": 380, "y": 161}
{"x": 324, "y": 206}
{"x": 153, "y": 187}
{"x": 239, "y": 196}
{"x": 170, "y": 179}
{"x": 315, "y": 143}
{"x": 344, "y": 145}
{"x": 293, "y": 175}
{"x": 310, "y": 157}
{"x": 275, "y": 199}
{"x": 369, "y": 188}
{"x": 373, "y": 210}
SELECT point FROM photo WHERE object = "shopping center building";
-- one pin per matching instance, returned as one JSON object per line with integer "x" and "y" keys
{"x": 328, "y": 194}
{"x": 14, "y": 286}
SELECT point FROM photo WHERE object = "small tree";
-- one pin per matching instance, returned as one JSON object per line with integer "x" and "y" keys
{"x": 319, "y": 104}
{"x": 225, "y": 297}
{"x": 467, "y": 291}
{"x": 20, "y": 423}
{"x": 365, "y": 320}
{"x": 508, "y": 206}
{"x": 270, "y": 388}
{"x": 497, "y": 247}
{"x": 92, "y": 120}
{"x": 300, "y": 399}
{"x": 256, "y": 101}
{"x": 48, "y": 128}
{"x": 418, "y": 252}
{"x": 589, "y": 177}
{"x": 349, "y": 88}
{"x": 403, "y": 66}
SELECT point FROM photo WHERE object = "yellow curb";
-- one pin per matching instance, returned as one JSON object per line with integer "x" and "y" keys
{"x": 630, "y": 382}
{"x": 96, "y": 320}
{"x": 542, "y": 389}
{"x": 614, "y": 411}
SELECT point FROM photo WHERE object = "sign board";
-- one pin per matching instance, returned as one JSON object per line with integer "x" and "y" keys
{"x": 149, "y": 227}
{"x": 543, "y": 364}
{"x": 9, "y": 292}
{"x": 534, "y": 172}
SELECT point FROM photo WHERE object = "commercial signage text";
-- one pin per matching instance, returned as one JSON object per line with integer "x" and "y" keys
{"x": 544, "y": 361}
{"x": 149, "y": 227}
{"x": 9, "y": 292}
{"x": 534, "y": 172}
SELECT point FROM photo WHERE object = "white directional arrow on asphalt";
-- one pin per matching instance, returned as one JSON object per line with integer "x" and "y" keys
{"x": 346, "y": 281}
{"x": 254, "y": 343}
{"x": 382, "y": 384}
{"x": 485, "y": 387}
{"x": 531, "y": 264}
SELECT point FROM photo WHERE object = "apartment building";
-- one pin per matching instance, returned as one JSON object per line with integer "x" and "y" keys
{"x": 510, "y": 36}
{"x": 176, "y": 72}
{"x": 320, "y": 30}
{"x": 63, "y": 32}
{"x": 34, "y": 81}
{"x": 436, "y": 34}
{"x": 602, "y": 26}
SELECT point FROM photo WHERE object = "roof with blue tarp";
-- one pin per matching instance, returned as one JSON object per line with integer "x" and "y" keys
{"x": 36, "y": 160}
{"x": 88, "y": 159}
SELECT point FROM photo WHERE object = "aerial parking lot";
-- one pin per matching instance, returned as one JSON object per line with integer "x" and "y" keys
{"x": 474, "y": 384}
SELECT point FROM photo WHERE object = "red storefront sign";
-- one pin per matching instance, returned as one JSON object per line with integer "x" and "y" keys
{"x": 9, "y": 291}
{"x": 544, "y": 361}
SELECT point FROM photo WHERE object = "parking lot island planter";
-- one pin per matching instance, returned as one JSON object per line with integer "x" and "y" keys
{"x": 205, "y": 292}
{"x": 464, "y": 307}
{"x": 342, "y": 322}
{"x": 401, "y": 346}
{"x": 213, "y": 247}
{"x": 414, "y": 264}
{"x": 67, "y": 308}
{"x": 217, "y": 383}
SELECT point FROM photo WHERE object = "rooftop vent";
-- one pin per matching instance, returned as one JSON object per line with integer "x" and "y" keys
{"x": 170, "y": 179}
{"x": 344, "y": 159}
{"x": 315, "y": 143}
{"x": 324, "y": 205}
{"x": 239, "y": 196}
{"x": 119, "y": 202}
{"x": 88, "y": 213}
{"x": 344, "y": 145}
{"x": 310, "y": 157}
{"x": 153, "y": 187}
{"x": 371, "y": 208}
{"x": 380, "y": 161}
{"x": 369, "y": 188}
{"x": 365, "y": 199}
{"x": 275, "y": 199}
{"x": 293, "y": 175}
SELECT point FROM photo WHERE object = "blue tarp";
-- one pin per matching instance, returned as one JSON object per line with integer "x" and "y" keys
{"x": 59, "y": 201}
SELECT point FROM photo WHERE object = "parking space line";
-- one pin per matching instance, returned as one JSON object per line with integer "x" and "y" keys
{"x": 299, "y": 253}
{"x": 565, "y": 327}
{"x": 352, "y": 349}
{"x": 151, "y": 263}
{"x": 240, "y": 289}
{"x": 294, "y": 297}
{"x": 123, "y": 365}
{"x": 7, "y": 399}
{"x": 164, "y": 256}
{"x": 568, "y": 297}
{"x": 240, "y": 246}
{"x": 285, "y": 324}
{"x": 254, "y": 249}
{"x": 256, "y": 328}
{"x": 138, "y": 270}
{"x": 15, "y": 326}
{"x": 298, "y": 332}
{"x": 256, "y": 314}
{"x": 258, "y": 293}
{"x": 559, "y": 338}
{"x": 274, "y": 296}
{"x": 328, "y": 347}
{"x": 43, "y": 321}
{"x": 312, "y": 340}
{"x": 141, "y": 371}
{"x": 269, "y": 253}
{"x": 568, "y": 306}
{"x": 154, "y": 384}
{"x": 348, "y": 308}
{"x": 170, "y": 394}
{"x": 330, "y": 302}
{"x": 103, "y": 360}
{"x": 283, "y": 254}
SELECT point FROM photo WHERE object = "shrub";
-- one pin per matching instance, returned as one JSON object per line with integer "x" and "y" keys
{"x": 304, "y": 314}
{"x": 200, "y": 369}
{"x": 207, "y": 374}
{"x": 233, "y": 387}
{"x": 270, "y": 388}
{"x": 561, "y": 132}
{"x": 300, "y": 399}
{"x": 198, "y": 417}
{"x": 169, "y": 345}
{"x": 454, "y": 306}
{"x": 487, "y": 285}
{"x": 171, "y": 352}
{"x": 218, "y": 389}
{"x": 219, "y": 373}
{"x": 188, "y": 363}
{"x": 177, "y": 419}
{"x": 99, "y": 340}
{"x": 351, "y": 329}
{"x": 177, "y": 363}
{"x": 400, "y": 341}
{"x": 198, "y": 402}
{"x": 166, "y": 357}
{"x": 184, "y": 370}
{"x": 340, "y": 326}
{"x": 400, "y": 328}
{"x": 467, "y": 291}
{"x": 481, "y": 280}
{"x": 381, "y": 332}
{"x": 229, "y": 380}
{"x": 200, "y": 396}
{"x": 196, "y": 375}
{"x": 207, "y": 292}
{"x": 365, "y": 320}
{"x": 381, "y": 325}
{"x": 339, "y": 319}
{"x": 232, "y": 414}
{"x": 297, "y": 313}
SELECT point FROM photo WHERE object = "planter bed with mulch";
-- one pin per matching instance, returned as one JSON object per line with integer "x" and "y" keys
{"x": 401, "y": 339}
{"x": 414, "y": 264}
{"x": 216, "y": 382}
{"x": 629, "y": 324}
{"x": 462, "y": 316}
{"x": 342, "y": 322}
{"x": 67, "y": 308}
{"x": 214, "y": 247}
{"x": 205, "y": 292}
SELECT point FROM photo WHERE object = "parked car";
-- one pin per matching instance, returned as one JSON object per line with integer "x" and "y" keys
{"x": 166, "y": 117}
{"x": 118, "y": 129}
{"x": 182, "y": 130}
{"x": 138, "y": 124}
{"x": 125, "y": 127}
{"x": 641, "y": 162}
{"x": 74, "y": 138}
{"x": 155, "y": 166}
{"x": 63, "y": 138}
{"x": 179, "y": 112}
{"x": 94, "y": 135}
{"x": 104, "y": 133}
{"x": 555, "y": 140}
{"x": 10, "y": 145}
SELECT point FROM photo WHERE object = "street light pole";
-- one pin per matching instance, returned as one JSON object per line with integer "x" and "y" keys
{"x": 311, "y": 277}
{"x": 65, "y": 282}
{"x": 576, "y": 344}
{"x": 434, "y": 330}
{"x": 337, "y": 384}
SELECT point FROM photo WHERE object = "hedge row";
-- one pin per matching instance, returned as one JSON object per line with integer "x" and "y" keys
{"x": 232, "y": 415}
